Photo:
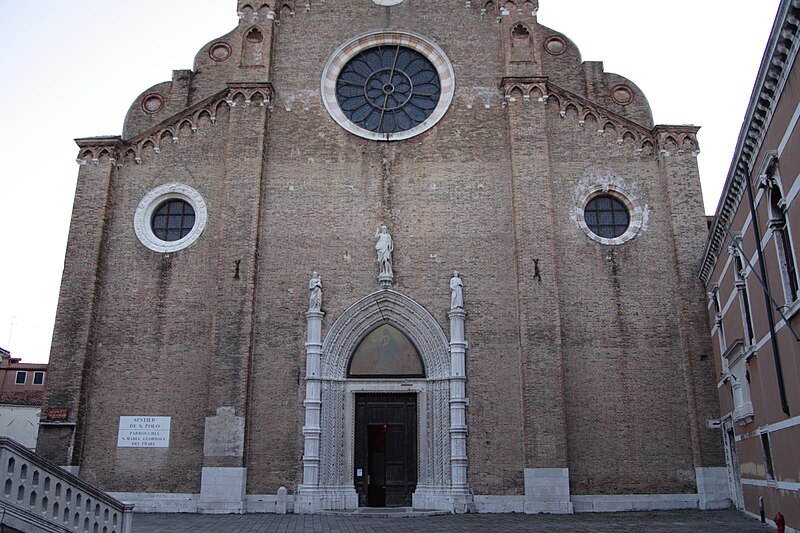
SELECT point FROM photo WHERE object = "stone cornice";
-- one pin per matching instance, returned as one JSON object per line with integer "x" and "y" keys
{"x": 104, "y": 140}
{"x": 776, "y": 64}
{"x": 662, "y": 140}
{"x": 115, "y": 149}
{"x": 94, "y": 149}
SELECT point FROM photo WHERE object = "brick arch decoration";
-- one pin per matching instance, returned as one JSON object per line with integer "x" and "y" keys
{"x": 356, "y": 322}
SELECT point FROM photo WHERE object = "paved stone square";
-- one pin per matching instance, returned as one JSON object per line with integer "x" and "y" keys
{"x": 665, "y": 521}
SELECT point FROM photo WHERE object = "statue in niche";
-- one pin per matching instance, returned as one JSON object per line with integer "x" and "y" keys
{"x": 456, "y": 291}
{"x": 384, "y": 247}
{"x": 315, "y": 292}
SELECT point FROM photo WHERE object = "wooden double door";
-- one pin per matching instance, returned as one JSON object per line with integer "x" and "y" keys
{"x": 385, "y": 449}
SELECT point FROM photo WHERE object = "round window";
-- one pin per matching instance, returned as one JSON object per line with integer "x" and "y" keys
{"x": 606, "y": 216}
{"x": 610, "y": 213}
{"x": 387, "y": 85}
{"x": 388, "y": 89}
{"x": 170, "y": 218}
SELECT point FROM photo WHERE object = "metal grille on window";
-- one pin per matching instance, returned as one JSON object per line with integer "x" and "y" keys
{"x": 388, "y": 89}
{"x": 173, "y": 220}
{"x": 606, "y": 216}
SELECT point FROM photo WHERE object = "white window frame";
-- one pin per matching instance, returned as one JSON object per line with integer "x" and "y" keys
{"x": 636, "y": 213}
{"x": 779, "y": 226}
{"x": 351, "y": 48}
{"x": 736, "y": 357}
{"x": 142, "y": 218}
{"x": 740, "y": 282}
{"x": 717, "y": 305}
{"x": 24, "y": 374}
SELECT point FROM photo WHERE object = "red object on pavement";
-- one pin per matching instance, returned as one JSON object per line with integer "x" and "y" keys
{"x": 780, "y": 521}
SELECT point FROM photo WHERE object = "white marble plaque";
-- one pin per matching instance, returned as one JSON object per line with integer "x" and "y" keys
{"x": 143, "y": 432}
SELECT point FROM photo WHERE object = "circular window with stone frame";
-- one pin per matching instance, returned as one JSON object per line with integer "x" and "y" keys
{"x": 170, "y": 218}
{"x": 152, "y": 103}
{"x": 609, "y": 215}
{"x": 387, "y": 85}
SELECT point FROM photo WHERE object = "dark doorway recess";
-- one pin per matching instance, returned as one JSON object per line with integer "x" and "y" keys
{"x": 385, "y": 449}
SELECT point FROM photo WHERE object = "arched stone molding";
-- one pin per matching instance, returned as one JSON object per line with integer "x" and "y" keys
{"x": 333, "y": 487}
{"x": 385, "y": 307}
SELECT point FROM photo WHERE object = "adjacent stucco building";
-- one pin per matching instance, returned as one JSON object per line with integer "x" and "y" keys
{"x": 259, "y": 309}
{"x": 751, "y": 278}
{"x": 21, "y": 398}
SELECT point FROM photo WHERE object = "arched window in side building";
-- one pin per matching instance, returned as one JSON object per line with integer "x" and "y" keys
{"x": 740, "y": 282}
{"x": 783, "y": 240}
{"x": 714, "y": 296}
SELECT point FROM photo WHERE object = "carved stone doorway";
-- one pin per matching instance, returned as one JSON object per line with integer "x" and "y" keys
{"x": 385, "y": 455}
{"x": 437, "y": 467}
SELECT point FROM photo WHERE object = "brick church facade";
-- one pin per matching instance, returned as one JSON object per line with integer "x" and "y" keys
{"x": 388, "y": 253}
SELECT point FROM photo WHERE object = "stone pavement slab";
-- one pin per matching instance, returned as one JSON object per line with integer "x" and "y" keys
{"x": 650, "y": 522}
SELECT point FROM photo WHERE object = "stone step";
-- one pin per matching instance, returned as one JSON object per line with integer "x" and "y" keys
{"x": 388, "y": 512}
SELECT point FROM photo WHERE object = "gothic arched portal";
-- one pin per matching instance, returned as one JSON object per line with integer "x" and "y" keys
{"x": 335, "y": 484}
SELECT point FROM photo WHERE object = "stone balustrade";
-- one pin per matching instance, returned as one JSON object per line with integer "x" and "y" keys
{"x": 40, "y": 496}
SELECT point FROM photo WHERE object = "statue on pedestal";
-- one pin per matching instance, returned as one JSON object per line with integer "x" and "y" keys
{"x": 315, "y": 292}
{"x": 456, "y": 294}
{"x": 384, "y": 247}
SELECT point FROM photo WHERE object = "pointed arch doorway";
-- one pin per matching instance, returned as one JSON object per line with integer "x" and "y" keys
{"x": 333, "y": 391}
{"x": 385, "y": 436}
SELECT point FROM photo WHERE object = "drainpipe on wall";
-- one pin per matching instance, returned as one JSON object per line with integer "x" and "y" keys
{"x": 765, "y": 285}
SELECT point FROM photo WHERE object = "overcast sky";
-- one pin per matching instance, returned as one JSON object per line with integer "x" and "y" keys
{"x": 70, "y": 68}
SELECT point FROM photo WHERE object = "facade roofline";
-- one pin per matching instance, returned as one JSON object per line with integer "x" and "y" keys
{"x": 779, "y": 55}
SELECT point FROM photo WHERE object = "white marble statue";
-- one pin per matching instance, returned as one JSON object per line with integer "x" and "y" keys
{"x": 456, "y": 294}
{"x": 384, "y": 247}
{"x": 315, "y": 292}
